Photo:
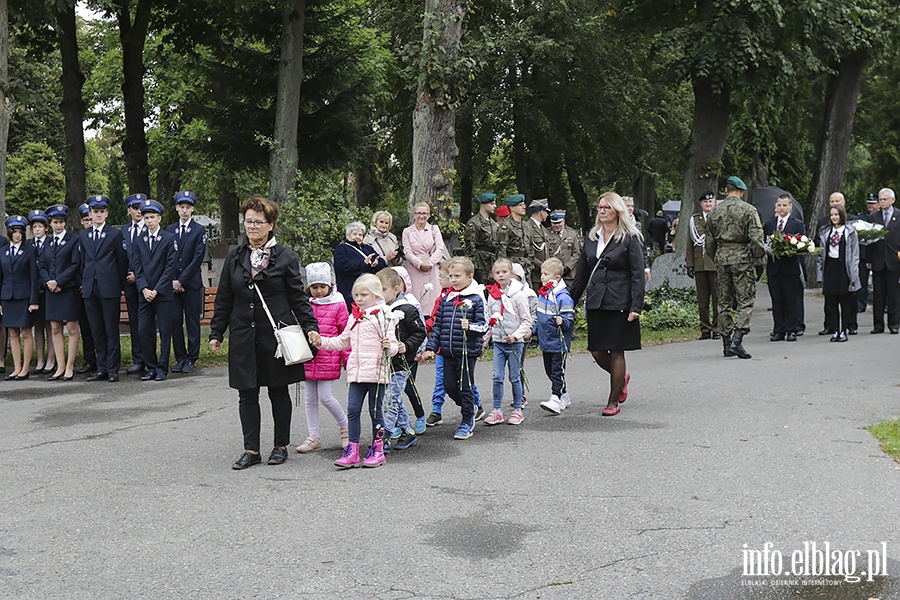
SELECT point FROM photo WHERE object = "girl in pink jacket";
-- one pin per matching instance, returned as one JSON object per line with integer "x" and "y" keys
{"x": 331, "y": 312}
{"x": 370, "y": 336}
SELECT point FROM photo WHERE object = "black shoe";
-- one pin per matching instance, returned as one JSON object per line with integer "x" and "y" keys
{"x": 716, "y": 335}
{"x": 39, "y": 371}
{"x": 97, "y": 376}
{"x": 10, "y": 377}
{"x": 55, "y": 377}
{"x": 178, "y": 367}
{"x": 188, "y": 367}
{"x": 160, "y": 377}
{"x": 853, "y": 331}
{"x": 894, "y": 330}
{"x": 791, "y": 337}
{"x": 113, "y": 377}
{"x": 877, "y": 330}
{"x": 148, "y": 376}
{"x": 827, "y": 332}
{"x": 278, "y": 456}
{"x": 404, "y": 441}
{"x": 434, "y": 419}
{"x": 67, "y": 378}
{"x": 86, "y": 369}
{"x": 776, "y": 337}
{"x": 247, "y": 459}
{"x": 22, "y": 377}
{"x": 135, "y": 368}
{"x": 705, "y": 336}
{"x": 841, "y": 337}
{"x": 800, "y": 333}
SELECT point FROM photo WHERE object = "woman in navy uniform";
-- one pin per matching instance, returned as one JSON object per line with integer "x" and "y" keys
{"x": 39, "y": 224}
{"x": 152, "y": 261}
{"x": 59, "y": 273}
{"x": 18, "y": 294}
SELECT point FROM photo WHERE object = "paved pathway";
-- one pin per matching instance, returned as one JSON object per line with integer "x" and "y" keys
{"x": 115, "y": 491}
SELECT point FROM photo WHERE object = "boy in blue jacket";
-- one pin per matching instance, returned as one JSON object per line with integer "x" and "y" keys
{"x": 555, "y": 322}
{"x": 459, "y": 327}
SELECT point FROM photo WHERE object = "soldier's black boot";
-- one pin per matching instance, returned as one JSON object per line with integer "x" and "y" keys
{"x": 726, "y": 346}
{"x": 737, "y": 348}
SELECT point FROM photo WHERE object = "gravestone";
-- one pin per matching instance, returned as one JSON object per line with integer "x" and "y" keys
{"x": 669, "y": 267}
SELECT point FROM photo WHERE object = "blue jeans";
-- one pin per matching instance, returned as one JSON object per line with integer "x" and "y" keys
{"x": 395, "y": 414}
{"x": 511, "y": 355}
{"x": 437, "y": 398}
{"x": 355, "y": 396}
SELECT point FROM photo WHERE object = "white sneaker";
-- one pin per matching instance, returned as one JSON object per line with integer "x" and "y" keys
{"x": 552, "y": 405}
{"x": 565, "y": 401}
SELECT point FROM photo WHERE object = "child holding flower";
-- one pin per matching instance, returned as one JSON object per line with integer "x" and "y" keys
{"x": 555, "y": 322}
{"x": 457, "y": 331}
{"x": 510, "y": 322}
{"x": 370, "y": 336}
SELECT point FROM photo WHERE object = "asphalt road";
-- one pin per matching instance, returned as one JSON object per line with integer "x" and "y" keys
{"x": 125, "y": 490}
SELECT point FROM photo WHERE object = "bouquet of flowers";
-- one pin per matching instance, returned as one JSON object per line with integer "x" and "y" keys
{"x": 868, "y": 232}
{"x": 783, "y": 245}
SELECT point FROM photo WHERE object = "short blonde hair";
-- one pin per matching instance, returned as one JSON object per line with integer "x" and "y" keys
{"x": 553, "y": 266}
{"x": 463, "y": 262}
{"x": 500, "y": 261}
{"x": 369, "y": 282}
{"x": 390, "y": 278}
{"x": 381, "y": 214}
{"x": 425, "y": 204}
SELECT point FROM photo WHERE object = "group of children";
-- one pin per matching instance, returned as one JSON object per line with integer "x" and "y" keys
{"x": 382, "y": 340}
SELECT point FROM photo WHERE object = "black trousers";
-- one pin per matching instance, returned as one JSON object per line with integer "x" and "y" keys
{"x": 412, "y": 391}
{"x": 187, "y": 308}
{"x": 248, "y": 407}
{"x": 553, "y": 367}
{"x": 459, "y": 377}
{"x": 862, "y": 295}
{"x": 103, "y": 314}
{"x": 886, "y": 292}
{"x": 787, "y": 302}
{"x": 840, "y": 311}
{"x": 156, "y": 315}
{"x": 88, "y": 350}
{"x": 134, "y": 317}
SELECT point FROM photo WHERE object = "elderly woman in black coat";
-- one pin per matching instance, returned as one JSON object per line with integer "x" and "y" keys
{"x": 611, "y": 272}
{"x": 275, "y": 270}
{"x": 352, "y": 258}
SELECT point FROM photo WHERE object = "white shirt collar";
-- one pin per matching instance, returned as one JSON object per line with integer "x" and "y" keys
{"x": 185, "y": 223}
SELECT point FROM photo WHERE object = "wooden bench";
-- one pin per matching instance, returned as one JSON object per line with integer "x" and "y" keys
{"x": 209, "y": 304}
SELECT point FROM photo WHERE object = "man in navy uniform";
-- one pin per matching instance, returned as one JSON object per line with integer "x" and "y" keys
{"x": 88, "y": 350}
{"x": 130, "y": 232}
{"x": 104, "y": 266}
{"x": 153, "y": 261}
{"x": 187, "y": 282}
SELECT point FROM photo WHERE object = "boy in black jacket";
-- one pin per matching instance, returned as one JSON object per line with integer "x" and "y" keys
{"x": 410, "y": 333}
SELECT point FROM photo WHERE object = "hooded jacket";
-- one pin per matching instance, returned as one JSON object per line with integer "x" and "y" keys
{"x": 332, "y": 314}
{"x": 410, "y": 331}
{"x": 515, "y": 314}
{"x": 447, "y": 335}
{"x": 556, "y": 302}
{"x": 363, "y": 335}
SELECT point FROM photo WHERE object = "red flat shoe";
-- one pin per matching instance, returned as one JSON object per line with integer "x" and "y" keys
{"x": 610, "y": 412}
{"x": 623, "y": 395}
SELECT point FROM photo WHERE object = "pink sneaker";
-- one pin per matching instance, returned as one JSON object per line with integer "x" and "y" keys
{"x": 310, "y": 444}
{"x": 516, "y": 417}
{"x": 350, "y": 459}
{"x": 495, "y": 418}
{"x": 375, "y": 456}
{"x": 623, "y": 395}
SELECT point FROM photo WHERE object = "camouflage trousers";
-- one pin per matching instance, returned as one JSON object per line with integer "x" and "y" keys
{"x": 736, "y": 287}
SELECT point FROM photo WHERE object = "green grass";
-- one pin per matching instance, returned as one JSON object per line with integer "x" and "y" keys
{"x": 888, "y": 433}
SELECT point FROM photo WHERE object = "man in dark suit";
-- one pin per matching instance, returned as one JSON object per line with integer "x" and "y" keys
{"x": 187, "y": 305}
{"x": 130, "y": 232}
{"x": 103, "y": 269}
{"x": 88, "y": 349}
{"x": 783, "y": 274}
{"x": 153, "y": 262}
{"x": 837, "y": 199}
{"x": 885, "y": 264}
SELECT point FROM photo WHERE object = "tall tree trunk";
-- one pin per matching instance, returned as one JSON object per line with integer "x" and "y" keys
{"x": 72, "y": 106}
{"x": 841, "y": 97}
{"x": 283, "y": 158}
{"x": 712, "y": 109}
{"x": 581, "y": 197}
{"x": 133, "y": 35}
{"x": 645, "y": 194}
{"x": 520, "y": 151}
{"x": 466, "y": 135}
{"x": 7, "y": 104}
{"x": 229, "y": 208}
{"x": 434, "y": 119}
{"x": 758, "y": 175}
{"x": 168, "y": 180}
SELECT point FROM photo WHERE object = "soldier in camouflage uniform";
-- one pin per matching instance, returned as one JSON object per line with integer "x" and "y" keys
{"x": 514, "y": 238}
{"x": 564, "y": 243}
{"x": 480, "y": 236}
{"x": 539, "y": 212}
{"x": 734, "y": 239}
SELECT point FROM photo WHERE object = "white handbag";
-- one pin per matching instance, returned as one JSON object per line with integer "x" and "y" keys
{"x": 292, "y": 344}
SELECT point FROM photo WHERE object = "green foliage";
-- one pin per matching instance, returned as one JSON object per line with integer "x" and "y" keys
{"x": 670, "y": 308}
{"x": 313, "y": 221}
{"x": 888, "y": 433}
{"x": 34, "y": 179}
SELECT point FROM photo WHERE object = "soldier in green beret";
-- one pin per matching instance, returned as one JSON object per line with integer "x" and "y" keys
{"x": 480, "y": 238}
{"x": 734, "y": 240}
{"x": 515, "y": 235}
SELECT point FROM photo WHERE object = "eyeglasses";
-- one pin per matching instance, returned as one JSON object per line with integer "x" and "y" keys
{"x": 254, "y": 224}
{"x": 603, "y": 208}
{"x": 421, "y": 214}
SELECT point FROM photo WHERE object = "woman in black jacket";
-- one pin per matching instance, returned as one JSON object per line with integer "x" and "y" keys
{"x": 611, "y": 273}
{"x": 275, "y": 270}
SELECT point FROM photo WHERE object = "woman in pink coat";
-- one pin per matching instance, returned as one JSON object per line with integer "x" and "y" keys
{"x": 332, "y": 314}
{"x": 424, "y": 249}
